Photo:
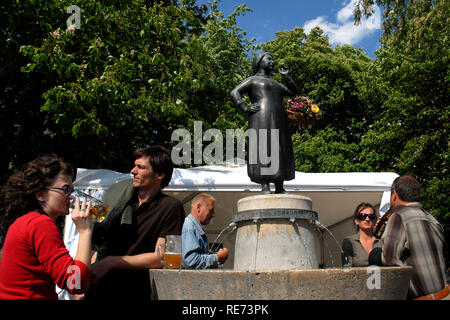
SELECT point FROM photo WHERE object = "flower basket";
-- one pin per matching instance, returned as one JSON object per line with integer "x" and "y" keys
{"x": 299, "y": 118}
{"x": 302, "y": 111}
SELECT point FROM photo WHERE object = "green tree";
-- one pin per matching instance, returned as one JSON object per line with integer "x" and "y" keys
{"x": 332, "y": 78}
{"x": 396, "y": 13}
{"x": 23, "y": 23}
{"x": 117, "y": 83}
{"x": 133, "y": 72}
{"x": 222, "y": 47}
{"x": 222, "y": 61}
{"x": 410, "y": 134}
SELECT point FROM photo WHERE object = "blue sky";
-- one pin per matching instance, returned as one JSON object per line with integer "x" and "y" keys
{"x": 335, "y": 17}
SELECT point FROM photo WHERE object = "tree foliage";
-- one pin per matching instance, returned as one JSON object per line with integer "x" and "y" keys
{"x": 396, "y": 13}
{"x": 333, "y": 79}
{"x": 133, "y": 72}
{"x": 22, "y": 23}
{"x": 410, "y": 133}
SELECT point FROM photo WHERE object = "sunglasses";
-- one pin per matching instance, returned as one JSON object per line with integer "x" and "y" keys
{"x": 363, "y": 216}
{"x": 67, "y": 190}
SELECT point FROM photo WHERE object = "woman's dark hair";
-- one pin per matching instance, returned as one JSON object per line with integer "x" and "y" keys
{"x": 159, "y": 158}
{"x": 18, "y": 194}
{"x": 361, "y": 207}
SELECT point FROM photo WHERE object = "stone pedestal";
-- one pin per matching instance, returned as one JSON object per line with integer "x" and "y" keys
{"x": 275, "y": 232}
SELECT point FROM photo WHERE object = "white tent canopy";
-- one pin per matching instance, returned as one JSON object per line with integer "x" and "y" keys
{"x": 229, "y": 183}
{"x": 233, "y": 177}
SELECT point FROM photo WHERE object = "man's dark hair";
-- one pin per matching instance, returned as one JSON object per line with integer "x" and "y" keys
{"x": 407, "y": 188}
{"x": 159, "y": 158}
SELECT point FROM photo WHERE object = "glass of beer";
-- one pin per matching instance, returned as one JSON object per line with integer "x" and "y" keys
{"x": 172, "y": 252}
{"x": 98, "y": 209}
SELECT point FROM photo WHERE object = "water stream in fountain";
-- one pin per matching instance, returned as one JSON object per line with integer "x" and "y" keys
{"x": 326, "y": 245}
{"x": 321, "y": 226}
{"x": 226, "y": 236}
{"x": 231, "y": 225}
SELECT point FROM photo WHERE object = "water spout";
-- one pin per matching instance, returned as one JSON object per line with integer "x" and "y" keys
{"x": 326, "y": 245}
{"x": 256, "y": 220}
{"x": 319, "y": 227}
{"x": 231, "y": 225}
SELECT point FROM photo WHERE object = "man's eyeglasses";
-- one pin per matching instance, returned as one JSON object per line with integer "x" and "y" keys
{"x": 363, "y": 216}
{"x": 67, "y": 190}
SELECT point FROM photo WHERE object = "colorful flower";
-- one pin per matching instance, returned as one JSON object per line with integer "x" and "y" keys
{"x": 302, "y": 111}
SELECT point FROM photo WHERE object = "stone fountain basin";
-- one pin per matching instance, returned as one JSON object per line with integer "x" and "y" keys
{"x": 314, "y": 284}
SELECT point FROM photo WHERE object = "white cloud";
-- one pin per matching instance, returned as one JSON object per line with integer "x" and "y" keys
{"x": 267, "y": 23}
{"x": 343, "y": 31}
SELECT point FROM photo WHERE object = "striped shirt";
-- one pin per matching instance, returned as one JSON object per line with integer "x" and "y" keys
{"x": 415, "y": 238}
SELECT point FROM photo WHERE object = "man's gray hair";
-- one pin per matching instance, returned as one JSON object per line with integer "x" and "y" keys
{"x": 203, "y": 198}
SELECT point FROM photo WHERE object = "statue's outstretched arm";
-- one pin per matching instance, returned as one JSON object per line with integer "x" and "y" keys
{"x": 292, "y": 89}
{"x": 290, "y": 84}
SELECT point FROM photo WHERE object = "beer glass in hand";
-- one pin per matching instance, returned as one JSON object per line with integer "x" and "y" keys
{"x": 172, "y": 252}
{"x": 98, "y": 209}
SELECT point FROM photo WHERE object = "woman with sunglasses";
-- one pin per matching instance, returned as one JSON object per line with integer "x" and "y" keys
{"x": 33, "y": 257}
{"x": 356, "y": 248}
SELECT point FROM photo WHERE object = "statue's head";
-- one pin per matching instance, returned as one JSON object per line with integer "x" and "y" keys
{"x": 257, "y": 60}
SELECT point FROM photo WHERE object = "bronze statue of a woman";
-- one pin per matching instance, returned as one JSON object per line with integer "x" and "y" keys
{"x": 267, "y": 112}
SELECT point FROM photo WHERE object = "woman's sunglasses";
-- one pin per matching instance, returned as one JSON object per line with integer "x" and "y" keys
{"x": 67, "y": 190}
{"x": 363, "y": 216}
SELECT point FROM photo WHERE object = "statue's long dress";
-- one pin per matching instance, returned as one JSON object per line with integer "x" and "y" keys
{"x": 269, "y": 94}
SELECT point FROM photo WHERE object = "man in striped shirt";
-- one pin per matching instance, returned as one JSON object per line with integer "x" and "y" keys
{"x": 414, "y": 238}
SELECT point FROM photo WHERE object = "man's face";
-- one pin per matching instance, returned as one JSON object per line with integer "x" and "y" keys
{"x": 206, "y": 212}
{"x": 144, "y": 176}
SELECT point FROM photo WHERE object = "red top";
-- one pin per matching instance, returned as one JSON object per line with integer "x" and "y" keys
{"x": 34, "y": 259}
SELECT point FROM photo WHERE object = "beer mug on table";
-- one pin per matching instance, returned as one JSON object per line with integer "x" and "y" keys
{"x": 172, "y": 252}
{"x": 98, "y": 209}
